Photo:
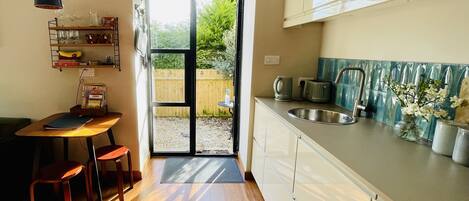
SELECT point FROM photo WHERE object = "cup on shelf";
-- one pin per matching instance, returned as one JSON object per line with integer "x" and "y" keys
{"x": 444, "y": 138}
{"x": 62, "y": 36}
{"x": 94, "y": 19}
{"x": 74, "y": 36}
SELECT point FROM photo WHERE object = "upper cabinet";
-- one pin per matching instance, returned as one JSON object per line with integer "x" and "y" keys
{"x": 299, "y": 12}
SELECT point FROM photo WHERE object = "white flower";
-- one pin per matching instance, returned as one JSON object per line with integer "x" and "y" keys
{"x": 440, "y": 113}
{"x": 425, "y": 101}
{"x": 456, "y": 102}
{"x": 411, "y": 109}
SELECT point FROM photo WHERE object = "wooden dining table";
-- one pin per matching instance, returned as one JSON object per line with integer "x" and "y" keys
{"x": 97, "y": 126}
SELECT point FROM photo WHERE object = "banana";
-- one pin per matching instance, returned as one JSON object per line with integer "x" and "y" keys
{"x": 70, "y": 54}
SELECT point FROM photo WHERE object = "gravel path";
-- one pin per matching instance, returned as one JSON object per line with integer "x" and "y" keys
{"x": 213, "y": 135}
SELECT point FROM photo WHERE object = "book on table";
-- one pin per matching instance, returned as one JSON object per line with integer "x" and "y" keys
{"x": 67, "y": 122}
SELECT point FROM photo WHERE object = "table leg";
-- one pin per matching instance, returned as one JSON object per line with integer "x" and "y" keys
{"x": 65, "y": 149}
{"x": 36, "y": 159}
{"x": 94, "y": 169}
{"x": 110, "y": 135}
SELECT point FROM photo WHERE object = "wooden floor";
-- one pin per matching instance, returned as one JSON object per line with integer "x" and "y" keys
{"x": 151, "y": 189}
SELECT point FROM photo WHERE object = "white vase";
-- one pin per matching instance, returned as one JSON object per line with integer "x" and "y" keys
{"x": 444, "y": 138}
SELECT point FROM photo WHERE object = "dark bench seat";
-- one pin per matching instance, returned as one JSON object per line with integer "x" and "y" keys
{"x": 17, "y": 157}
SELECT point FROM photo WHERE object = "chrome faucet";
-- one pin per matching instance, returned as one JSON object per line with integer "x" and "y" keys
{"x": 357, "y": 107}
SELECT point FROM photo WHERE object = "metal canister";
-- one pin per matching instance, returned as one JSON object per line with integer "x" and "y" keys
{"x": 461, "y": 147}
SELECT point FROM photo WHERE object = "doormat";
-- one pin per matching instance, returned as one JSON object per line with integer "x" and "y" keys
{"x": 201, "y": 170}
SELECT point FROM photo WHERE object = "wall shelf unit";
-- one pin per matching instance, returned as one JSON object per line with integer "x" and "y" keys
{"x": 57, "y": 43}
{"x": 84, "y": 66}
{"x": 83, "y": 45}
{"x": 91, "y": 28}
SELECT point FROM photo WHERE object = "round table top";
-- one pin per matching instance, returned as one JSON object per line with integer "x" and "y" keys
{"x": 95, "y": 127}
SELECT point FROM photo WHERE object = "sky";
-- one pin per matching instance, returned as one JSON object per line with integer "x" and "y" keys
{"x": 172, "y": 11}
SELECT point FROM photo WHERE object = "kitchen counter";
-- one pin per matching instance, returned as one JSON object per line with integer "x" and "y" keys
{"x": 403, "y": 171}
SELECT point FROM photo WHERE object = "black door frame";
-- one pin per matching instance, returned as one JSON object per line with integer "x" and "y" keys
{"x": 190, "y": 56}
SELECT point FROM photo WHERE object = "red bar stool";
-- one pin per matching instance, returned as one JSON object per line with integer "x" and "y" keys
{"x": 61, "y": 172}
{"x": 115, "y": 153}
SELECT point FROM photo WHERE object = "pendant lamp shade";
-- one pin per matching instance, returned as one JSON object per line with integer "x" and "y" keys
{"x": 48, "y": 4}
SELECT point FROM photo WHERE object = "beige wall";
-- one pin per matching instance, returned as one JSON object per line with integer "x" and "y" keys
{"x": 420, "y": 30}
{"x": 29, "y": 87}
{"x": 298, "y": 48}
{"x": 299, "y": 51}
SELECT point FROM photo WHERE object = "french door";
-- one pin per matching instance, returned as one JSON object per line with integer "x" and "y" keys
{"x": 177, "y": 126}
{"x": 173, "y": 78}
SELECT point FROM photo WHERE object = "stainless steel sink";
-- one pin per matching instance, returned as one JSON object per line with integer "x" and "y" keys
{"x": 322, "y": 116}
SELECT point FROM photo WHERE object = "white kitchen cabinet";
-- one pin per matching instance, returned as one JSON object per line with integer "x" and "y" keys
{"x": 287, "y": 165}
{"x": 262, "y": 119}
{"x": 261, "y": 122}
{"x": 318, "y": 179}
{"x": 351, "y": 5}
{"x": 279, "y": 167}
{"x": 309, "y": 5}
{"x": 319, "y": 10}
{"x": 257, "y": 165}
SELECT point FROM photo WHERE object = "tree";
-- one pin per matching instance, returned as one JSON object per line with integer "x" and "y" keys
{"x": 226, "y": 61}
{"x": 169, "y": 36}
{"x": 212, "y": 22}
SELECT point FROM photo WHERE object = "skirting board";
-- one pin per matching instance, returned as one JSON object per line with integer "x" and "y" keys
{"x": 247, "y": 175}
{"x": 112, "y": 173}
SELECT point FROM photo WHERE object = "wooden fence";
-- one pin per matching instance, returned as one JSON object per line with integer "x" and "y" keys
{"x": 210, "y": 89}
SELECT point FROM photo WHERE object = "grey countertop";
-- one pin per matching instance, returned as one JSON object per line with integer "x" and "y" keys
{"x": 404, "y": 171}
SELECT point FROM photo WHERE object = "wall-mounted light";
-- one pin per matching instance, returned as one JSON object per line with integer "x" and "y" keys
{"x": 48, "y": 4}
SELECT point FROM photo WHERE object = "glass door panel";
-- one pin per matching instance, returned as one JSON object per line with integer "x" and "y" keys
{"x": 215, "y": 87}
{"x": 172, "y": 128}
{"x": 170, "y": 21}
{"x": 168, "y": 77}
{"x": 172, "y": 42}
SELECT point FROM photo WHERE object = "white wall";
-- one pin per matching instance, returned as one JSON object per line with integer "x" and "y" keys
{"x": 264, "y": 35}
{"x": 141, "y": 80}
{"x": 246, "y": 77}
{"x": 29, "y": 87}
{"x": 420, "y": 30}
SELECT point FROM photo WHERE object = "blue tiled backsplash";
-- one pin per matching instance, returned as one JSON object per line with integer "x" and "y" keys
{"x": 380, "y": 101}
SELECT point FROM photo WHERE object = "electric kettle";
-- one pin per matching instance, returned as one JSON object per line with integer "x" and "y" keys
{"x": 283, "y": 88}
